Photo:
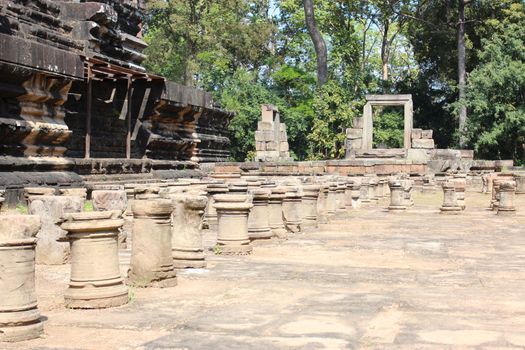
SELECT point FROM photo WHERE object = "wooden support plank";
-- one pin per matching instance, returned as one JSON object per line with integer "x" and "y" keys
{"x": 89, "y": 100}
{"x": 128, "y": 135}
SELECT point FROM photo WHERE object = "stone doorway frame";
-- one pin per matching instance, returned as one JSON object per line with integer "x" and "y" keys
{"x": 387, "y": 100}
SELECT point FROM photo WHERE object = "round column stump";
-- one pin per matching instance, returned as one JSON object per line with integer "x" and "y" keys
{"x": 95, "y": 280}
{"x": 19, "y": 315}
{"x": 186, "y": 241}
{"x": 507, "y": 190}
{"x": 397, "y": 196}
{"x": 258, "y": 219}
{"x": 232, "y": 214}
{"x": 151, "y": 259}
{"x": 275, "y": 211}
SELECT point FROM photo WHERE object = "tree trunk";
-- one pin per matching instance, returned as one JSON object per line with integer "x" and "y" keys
{"x": 462, "y": 72}
{"x": 385, "y": 51}
{"x": 318, "y": 41}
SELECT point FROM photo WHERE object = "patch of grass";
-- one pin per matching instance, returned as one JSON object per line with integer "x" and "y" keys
{"x": 88, "y": 206}
{"x": 217, "y": 250}
{"x": 22, "y": 209}
{"x": 132, "y": 294}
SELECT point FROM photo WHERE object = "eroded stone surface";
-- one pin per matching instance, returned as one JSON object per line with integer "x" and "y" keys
{"x": 19, "y": 316}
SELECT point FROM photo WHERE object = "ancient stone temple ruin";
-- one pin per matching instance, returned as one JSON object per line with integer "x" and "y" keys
{"x": 271, "y": 139}
{"x": 73, "y": 86}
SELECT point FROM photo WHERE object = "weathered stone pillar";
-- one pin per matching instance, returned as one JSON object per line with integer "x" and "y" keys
{"x": 95, "y": 280}
{"x": 232, "y": 231}
{"x": 450, "y": 202}
{"x": 372, "y": 188}
{"x": 309, "y": 205}
{"x": 51, "y": 248}
{"x": 186, "y": 242}
{"x": 494, "y": 203}
{"x": 211, "y": 212}
{"x": 356, "y": 193}
{"x": 519, "y": 178}
{"x": 292, "y": 209}
{"x": 397, "y": 196}
{"x": 340, "y": 197}
{"x": 348, "y": 195}
{"x": 380, "y": 190}
{"x": 331, "y": 200}
{"x": 407, "y": 188}
{"x": 275, "y": 211}
{"x": 507, "y": 190}
{"x": 258, "y": 219}
{"x": 322, "y": 204}
{"x": 19, "y": 315}
{"x": 364, "y": 191}
{"x": 151, "y": 259}
{"x": 460, "y": 183}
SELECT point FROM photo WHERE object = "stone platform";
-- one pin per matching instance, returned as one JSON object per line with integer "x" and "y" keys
{"x": 374, "y": 280}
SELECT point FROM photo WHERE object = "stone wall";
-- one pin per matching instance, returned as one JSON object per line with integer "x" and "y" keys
{"x": 45, "y": 47}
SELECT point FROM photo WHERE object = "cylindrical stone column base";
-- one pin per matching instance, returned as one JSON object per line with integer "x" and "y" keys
{"x": 232, "y": 231}
{"x": 258, "y": 220}
{"x": 95, "y": 280}
{"x": 151, "y": 260}
{"x": 397, "y": 196}
{"x": 507, "y": 191}
{"x": 19, "y": 315}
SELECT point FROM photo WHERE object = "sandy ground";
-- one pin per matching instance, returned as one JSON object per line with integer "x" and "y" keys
{"x": 369, "y": 280}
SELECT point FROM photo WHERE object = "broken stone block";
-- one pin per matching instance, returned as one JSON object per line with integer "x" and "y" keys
{"x": 263, "y": 125}
{"x": 426, "y": 134}
{"x": 272, "y": 146}
{"x": 95, "y": 279}
{"x": 38, "y": 191}
{"x": 232, "y": 212}
{"x": 353, "y": 133}
{"x": 423, "y": 143}
{"x": 19, "y": 316}
{"x": 416, "y": 134}
{"x": 52, "y": 249}
{"x": 519, "y": 178}
{"x": 358, "y": 123}
{"x": 151, "y": 259}
{"x": 186, "y": 241}
{"x": 104, "y": 200}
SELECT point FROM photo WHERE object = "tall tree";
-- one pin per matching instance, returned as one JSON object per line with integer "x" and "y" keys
{"x": 318, "y": 41}
{"x": 462, "y": 70}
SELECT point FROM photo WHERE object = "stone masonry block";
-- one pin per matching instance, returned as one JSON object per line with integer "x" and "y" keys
{"x": 353, "y": 133}
{"x": 272, "y": 146}
{"x": 260, "y": 145}
{"x": 358, "y": 123}
{"x": 416, "y": 134}
{"x": 423, "y": 143}
{"x": 265, "y": 126}
{"x": 284, "y": 147}
{"x": 426, "y": 134}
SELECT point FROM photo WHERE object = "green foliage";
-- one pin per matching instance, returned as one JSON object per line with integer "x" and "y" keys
{"x": 335, "y": 109}
{"x": 388, "y": 129}
{"x": 22, "y": 209}
{"x": 496, "y": 92}
{"x": 88, "y": 206}
{"x": 257, "y": 52}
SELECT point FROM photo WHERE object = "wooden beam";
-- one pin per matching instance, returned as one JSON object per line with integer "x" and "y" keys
{"x": 89, "y": 101}
{"x": 128, "y": 117}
